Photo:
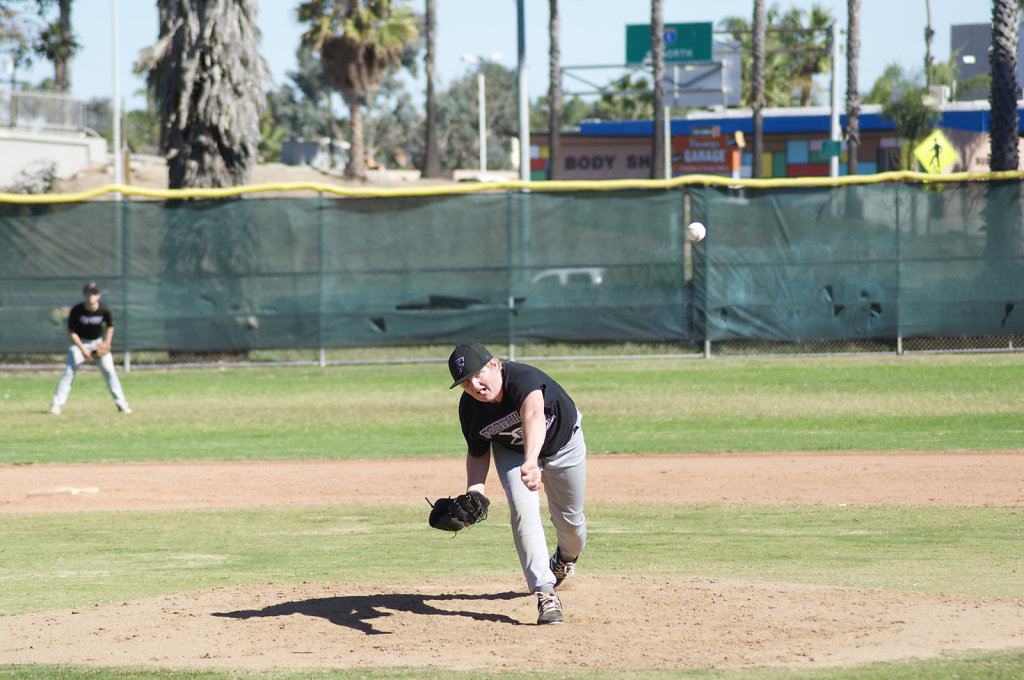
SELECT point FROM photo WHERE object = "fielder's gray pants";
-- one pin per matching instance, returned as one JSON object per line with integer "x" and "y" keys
{"x": 565, "y": 482}
{"x": 74, "y": 362}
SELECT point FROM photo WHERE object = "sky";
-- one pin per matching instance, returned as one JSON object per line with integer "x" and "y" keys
{"x": 593, "y": 33}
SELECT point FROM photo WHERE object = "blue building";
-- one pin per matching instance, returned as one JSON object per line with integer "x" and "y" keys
{"x": 792, "y": 142}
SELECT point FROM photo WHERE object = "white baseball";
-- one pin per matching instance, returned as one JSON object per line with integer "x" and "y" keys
{"x": 696, "y": 231}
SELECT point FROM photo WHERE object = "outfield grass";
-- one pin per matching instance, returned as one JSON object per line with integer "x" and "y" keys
{"x": 973, "y": 402}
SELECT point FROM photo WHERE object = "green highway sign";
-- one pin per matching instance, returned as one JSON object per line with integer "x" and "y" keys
{"x": 684, "y": 43}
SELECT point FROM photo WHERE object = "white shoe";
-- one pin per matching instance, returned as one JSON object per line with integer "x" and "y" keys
{"x": 55, "y": 410}
{"x": 124, "y": 409}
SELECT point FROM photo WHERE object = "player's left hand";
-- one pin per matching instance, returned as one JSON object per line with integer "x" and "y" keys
{"x": 101, "y": 349}
{"x": 455, "y": 514}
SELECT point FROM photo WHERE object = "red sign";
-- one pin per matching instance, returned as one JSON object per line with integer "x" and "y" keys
{"x": 705, "y": 155}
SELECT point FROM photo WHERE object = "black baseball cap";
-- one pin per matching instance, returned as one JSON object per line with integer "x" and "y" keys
{"x": 91, "y": 288}
{"x": 466, "y": 361}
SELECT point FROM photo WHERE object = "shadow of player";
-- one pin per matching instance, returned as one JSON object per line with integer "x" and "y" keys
{"x": 356, "y": 611}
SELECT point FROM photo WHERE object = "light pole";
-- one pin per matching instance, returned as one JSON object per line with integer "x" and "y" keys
{"x": 482, "y": 99}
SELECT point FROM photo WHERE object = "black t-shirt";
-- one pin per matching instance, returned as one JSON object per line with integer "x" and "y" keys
{"x": 89, "y": 325}
{"x": 483, "y": 423}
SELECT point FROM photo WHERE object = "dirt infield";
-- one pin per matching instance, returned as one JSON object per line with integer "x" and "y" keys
{"x": 613, "y": 622}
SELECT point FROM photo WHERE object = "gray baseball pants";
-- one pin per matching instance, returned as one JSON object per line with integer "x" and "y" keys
{"x": 74, "y": 362}
{"x": 565, "y": 481}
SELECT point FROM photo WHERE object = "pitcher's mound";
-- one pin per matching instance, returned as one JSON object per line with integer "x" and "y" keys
{"x": 615, "y": 623}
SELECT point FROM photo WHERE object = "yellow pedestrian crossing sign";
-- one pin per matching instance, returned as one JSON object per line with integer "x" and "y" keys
{"x": 935, "y": 153}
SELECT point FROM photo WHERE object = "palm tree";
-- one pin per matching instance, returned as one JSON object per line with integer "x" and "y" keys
{"x": 1003, "y": 97}
{"x": 372, "y": 39}
{"x": 209, "y": 82}
{"x": 778, "y": 88}
{"x": 757, "y": 89}
{"x": 852, "y": 95}
{"x": 431, "y": 159}
{"x": 554, "y": 93}
{"x": 57, "y": 43}
{"x": 807, "y": 46}
{"x": 929, "y": 35}
{"x": 658, "y": 59}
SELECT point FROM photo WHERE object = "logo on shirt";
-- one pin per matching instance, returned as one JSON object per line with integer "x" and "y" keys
{"x": 511, "y": 427}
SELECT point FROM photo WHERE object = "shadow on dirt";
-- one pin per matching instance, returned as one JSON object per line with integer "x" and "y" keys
{"x": 357, "y": 611}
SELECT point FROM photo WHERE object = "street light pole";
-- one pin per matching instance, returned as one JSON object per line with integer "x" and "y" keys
{"x": 118, "y": 158}
{"x": 482, "y": 121}
{"x": 481, "y": 101}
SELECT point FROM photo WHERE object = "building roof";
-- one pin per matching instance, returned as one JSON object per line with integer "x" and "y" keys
{"x": 970, "y": 116}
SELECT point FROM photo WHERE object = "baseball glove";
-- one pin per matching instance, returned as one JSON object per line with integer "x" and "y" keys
{"x": 455, "y": 514}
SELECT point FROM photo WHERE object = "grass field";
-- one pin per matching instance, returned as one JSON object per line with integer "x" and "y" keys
{"x": 972, "y": 403}
{"x": 912, "y": 403}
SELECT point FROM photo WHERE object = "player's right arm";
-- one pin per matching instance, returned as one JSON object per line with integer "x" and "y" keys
{"x": 75, "y": 339}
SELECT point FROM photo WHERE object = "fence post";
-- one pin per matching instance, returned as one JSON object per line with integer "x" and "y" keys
{"x": 320, "y": 274}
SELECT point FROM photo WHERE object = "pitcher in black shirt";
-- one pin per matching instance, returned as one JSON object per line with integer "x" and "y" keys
{"x": 526, "y": 421}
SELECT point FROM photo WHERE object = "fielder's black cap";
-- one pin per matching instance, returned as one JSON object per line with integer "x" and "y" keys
{"x": 466, "y": 361}
{"x": 91, "y": 288}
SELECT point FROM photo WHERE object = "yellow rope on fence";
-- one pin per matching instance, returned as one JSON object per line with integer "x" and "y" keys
{"x": 511, "y": 185}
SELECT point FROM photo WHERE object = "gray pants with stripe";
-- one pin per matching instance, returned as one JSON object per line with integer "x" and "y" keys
{"x": 565, "y": 481}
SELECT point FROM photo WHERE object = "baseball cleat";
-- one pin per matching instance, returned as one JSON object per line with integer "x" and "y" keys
{"x": 549, "y": 608}
{"x": 55, "y": 410}
{"x": 562, "y": 569}
{"x": 123, "y": 408}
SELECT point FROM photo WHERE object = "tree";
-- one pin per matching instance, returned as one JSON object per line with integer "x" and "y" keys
{"x": 804, "y": 36}
{"x": 1004, "y": 93}
{"x": 794, "y": 52}
{"x": 57, "y": 43}
{"x": 16, "y": 35}
{"x": 852, "y": 93}
{"x": 457, "y": 115}
{"x": 658, "y": 59}
{"x": 554, "y": 92}
{"x": 314, "y": 83}
{"x": 209, "y": 81}
{"x": 929, "y": 34}
{"x": 372, "y": 40}
{"x": 913, "y": 117}
{"x": 622, "y": 102}
{"x": 431, "y": 161}
{"x": 393, "y": 128}
{"x": 757, "y": 89}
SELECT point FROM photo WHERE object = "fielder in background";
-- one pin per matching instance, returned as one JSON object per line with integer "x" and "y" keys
{"x": 91, "y": 329}
{"x": 529, "y": 424}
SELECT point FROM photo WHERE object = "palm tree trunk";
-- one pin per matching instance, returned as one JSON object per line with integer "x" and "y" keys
{"x": 1002, "y": 213}
{"x": 554, "y": 94}
{"x": 431, "y": 159}
{"x": 64, "y": 49}
{"x": 356, "y": 168}
{"x": 1003, "y": 97}
{"x": 852, "y": 93}
{"x": 929, "y": 34}
{"x": 658, "y": 57}
{"x": 757, "y": 88}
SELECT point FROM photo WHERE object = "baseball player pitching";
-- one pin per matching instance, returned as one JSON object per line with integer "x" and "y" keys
{"x": 91, "y": 329}
{"x": 526, "y": 421}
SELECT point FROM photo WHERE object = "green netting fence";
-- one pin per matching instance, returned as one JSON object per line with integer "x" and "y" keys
{"x": 888, "y": 261}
